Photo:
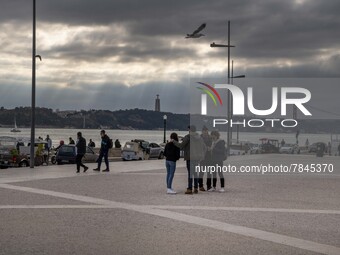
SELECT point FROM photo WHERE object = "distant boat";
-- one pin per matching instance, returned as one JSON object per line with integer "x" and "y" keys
{"x": 15, "y": 129}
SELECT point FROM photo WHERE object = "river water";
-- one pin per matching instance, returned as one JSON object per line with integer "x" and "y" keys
{"x": 157, "y": 135}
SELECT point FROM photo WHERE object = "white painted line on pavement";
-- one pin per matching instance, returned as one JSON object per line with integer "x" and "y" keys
{"x": 240, "y": 230}
{"x": 56, "y": 207}
{"x": 176, "y": 207}
{"x": 244, "y": 209}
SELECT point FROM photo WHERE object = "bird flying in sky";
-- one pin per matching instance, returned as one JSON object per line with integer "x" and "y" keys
{"x": 196, "y": 33}
{"x": 38, "y": 56}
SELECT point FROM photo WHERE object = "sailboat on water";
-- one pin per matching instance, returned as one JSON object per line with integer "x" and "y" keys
{"x": 15, "y": 129}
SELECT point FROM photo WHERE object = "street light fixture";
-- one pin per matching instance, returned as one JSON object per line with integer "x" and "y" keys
{"x": 213, "y": 45}
{"x": 164, "y": 119}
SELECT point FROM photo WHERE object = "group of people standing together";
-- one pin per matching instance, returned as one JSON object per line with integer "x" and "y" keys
{"x": 199, "y": 150}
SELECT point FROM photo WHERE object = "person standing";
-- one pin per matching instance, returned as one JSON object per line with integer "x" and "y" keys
{"x": 104, "y": 151}
{"x": 91, "y": 144}
{"x": 172, "y": 154}
{"x": 307, "y": 143}
{"x": 283, "y": 142}
{"x": 193, "y": 147}
{"x": 48, "y": 148}
{"x": 117, "y": 144}
{"x": 206, "y": 161}
{"x": 80, "y": 151}
{"x": 71, "y": 141}
{"x": 218, "y": 152}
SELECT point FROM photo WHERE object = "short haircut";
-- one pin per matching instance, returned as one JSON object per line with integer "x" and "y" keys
{"x": 215, "y": 133}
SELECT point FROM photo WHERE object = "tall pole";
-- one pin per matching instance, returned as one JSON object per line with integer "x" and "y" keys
{"x": 33, "y": 91}
{"x": 229, "y": 95}
{"x": 231, "y": 99}
{"x": 164, "y": 135}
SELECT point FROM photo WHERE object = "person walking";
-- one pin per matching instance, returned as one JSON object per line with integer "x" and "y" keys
{"x": 206, "y": 161}
{"x": 218, "y": 152}
{"x": 172, "y": 154}
{"x": 80, "y": 151}
{"x": 193, "y": 147}
{"x": 104, "y": 151}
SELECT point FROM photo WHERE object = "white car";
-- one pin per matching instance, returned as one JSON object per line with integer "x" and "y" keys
{"x": 290, "y": 148}
{"x": 133, "y": 151}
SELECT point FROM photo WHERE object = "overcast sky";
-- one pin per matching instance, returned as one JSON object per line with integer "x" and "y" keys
{"x": 118, "y": 54}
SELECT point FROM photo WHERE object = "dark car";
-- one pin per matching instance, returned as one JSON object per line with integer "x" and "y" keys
{"x": 67, "y": 154}
{"x": 314, "y": 147}
{"x": 268, "y": 148}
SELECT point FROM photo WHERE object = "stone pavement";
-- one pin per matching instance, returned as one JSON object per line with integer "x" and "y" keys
{"x": 53, "y": 210}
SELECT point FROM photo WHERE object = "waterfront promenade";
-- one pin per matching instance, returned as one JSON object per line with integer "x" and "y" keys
{"x": 53, "y": 210}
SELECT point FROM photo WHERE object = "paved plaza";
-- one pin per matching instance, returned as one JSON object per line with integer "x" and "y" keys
{"x": 53, "y": 210}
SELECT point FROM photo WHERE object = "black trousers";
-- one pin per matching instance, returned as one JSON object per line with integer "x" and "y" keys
{"x": 79, "y": 157}
{"x": 214, "y": 177}
{"x": 205, "y": 162}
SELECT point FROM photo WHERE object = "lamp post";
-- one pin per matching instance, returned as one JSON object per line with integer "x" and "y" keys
{"x": 231, "y": 103}
{"x": 229, "y": 94}
{"x": 33, "y": 90}
{"x": 164, "y": 121}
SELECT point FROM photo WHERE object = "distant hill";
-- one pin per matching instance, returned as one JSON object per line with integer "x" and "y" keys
{"x": 134, "y": 119}
{"x": 122, "y": 119}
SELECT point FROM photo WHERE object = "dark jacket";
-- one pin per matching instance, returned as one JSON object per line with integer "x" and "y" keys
{"x": 171, "y": 152}
{"x": 192, "y": 139}
{"x": 218, "y": 151}
{"x": 81, "y": 146}
{"x": 208, "y": 142}
{"x": 104, "y": 146}
{"x": 185, "y": 146}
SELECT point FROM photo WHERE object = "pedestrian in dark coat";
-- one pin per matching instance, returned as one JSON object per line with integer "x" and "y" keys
{"x": 80, "y": 152}
{"x": 104, "y": 152}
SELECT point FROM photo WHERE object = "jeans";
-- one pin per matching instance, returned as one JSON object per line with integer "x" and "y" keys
{"x": 105, "y": 154}
{"x": 170, "y": 172}
{"x": 78, "y": 161}
{"x": 192, "y": 173}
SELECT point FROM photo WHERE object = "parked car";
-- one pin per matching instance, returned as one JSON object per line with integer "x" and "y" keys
{"x": 67, "y": 154}
{"x": 269, "y": 148}
{"x": 12, "y": 152}
{"x": 133, "y": 151}
{"x": 155, "y": 151}
{"x": 290, "y": 149}
{"x": 314, "y": 147}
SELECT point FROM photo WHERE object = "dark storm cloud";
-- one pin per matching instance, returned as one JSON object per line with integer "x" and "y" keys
{"x": 265, "y": 32}
{"x": 260, "y": 29}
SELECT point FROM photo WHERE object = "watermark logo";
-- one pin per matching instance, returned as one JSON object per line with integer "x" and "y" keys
{"x": 212, "y": 93}
{"x": 239, "y": 100}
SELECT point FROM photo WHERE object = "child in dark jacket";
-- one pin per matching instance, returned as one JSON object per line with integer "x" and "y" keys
{"x": 172, "y": 154}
